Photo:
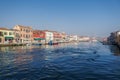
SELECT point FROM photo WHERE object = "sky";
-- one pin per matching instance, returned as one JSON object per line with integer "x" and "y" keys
{"x": 81, "y": 17}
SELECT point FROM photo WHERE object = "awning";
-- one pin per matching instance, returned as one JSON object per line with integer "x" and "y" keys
{"x": 38, "y": 38}
{"x": 9, "y": 38}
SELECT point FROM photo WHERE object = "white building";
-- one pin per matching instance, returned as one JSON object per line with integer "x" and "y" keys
{"x": 48, "y": 36}
{"x": 83, "y": 38}
{"x": 73, "y": 38}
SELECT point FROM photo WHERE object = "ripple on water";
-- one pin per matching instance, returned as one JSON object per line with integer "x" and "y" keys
{"x": 84, "y": 61}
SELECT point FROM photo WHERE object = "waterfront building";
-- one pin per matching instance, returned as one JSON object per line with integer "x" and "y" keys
{"x": 6, "y": 36}
{"x": 26, "y": 33}
{"x": 73, "y": 38}
{"x": 114, "y": 38}
{"x": 64, "y": 37}
{"x": 48, "y": 36}
{"x": 111, "y": 38}
{"x": 43, "y": 36}
{"x": 1, "y": 35}
{"x": 39, "y": 36}
{"x": 57, "y": 37}
{"x": 16, "y": 36}
{"x": 83, "y": 38}
{"x": 67, "y": 38}
{"x": 118, "y": 38}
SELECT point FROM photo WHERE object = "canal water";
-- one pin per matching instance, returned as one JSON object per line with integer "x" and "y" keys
{"x": 72, "y": 61}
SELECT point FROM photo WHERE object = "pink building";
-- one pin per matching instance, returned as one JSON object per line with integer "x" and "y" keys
{"x": 25, "y": 32}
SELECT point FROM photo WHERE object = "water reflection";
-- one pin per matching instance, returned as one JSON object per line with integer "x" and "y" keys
{"x": 13, "y": 48}
{"x": 72, "y": 61}
{"x": 115, "y": 50}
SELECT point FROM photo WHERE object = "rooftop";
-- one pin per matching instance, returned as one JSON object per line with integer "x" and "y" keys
{"x": 24, "y": 26}
{"x": 4, "y": 29}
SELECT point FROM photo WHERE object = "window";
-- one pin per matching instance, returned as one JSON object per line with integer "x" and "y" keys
{"x": 10, "y": 33}
{"x": 27, "y": 36}
{"x": 17, "y": 35}
{"x": 0, "y": 40}
{"x": 27, "y": 30}
{"x": 1, "y": 33}
{"x": 5, "y": 33}
{"x": 24, "y": 35}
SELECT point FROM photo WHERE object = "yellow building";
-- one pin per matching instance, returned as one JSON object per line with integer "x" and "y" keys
{"x": 6, "y": 35}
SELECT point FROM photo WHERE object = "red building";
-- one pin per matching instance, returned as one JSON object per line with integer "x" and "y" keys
{"x": 38, "y": 35}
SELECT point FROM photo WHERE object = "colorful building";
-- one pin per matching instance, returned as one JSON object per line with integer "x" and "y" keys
{"x": 6, "y": 36}
{"x": 48, "y": 36}
{"x": 17, "y": 36}
{"x": 26, "y": 33}
{"x": 57, "y": 37}
{"x": 38, "y": 36}
{"x": 64, "y": 36}
{"x": 2, "y": 35}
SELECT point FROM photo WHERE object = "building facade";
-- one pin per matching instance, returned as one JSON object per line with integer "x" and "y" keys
{"x": 64, "y": 37}
{"x": 118, "y": 38}
{"x": 48, "y": 36}
{"x": 56, "y": 37}
{"x": 73, "y": 38}
{"x": 25, "y": 32}
{"x": 6, "y": 36}
{"x": 84, "y": 38}
{"x": 38, "y": 36}
{"x": 16, "y": 36}
{"x": 114, "y": 38}
{"x": 1, "y": 35}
